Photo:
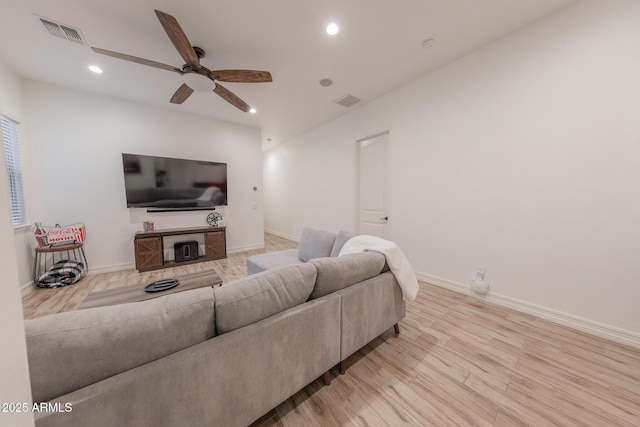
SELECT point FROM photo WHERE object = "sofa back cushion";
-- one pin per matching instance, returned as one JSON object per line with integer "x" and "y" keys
{"x": 261, "y": 295}
{"x": 71, "y": 350}
{"x": 335, "y": 273}
{"x": 315, "y": 244}
{"x": 341, "y": 239}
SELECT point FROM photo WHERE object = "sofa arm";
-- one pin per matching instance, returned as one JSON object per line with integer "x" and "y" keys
{"x": 271, "y": 260}
{"x": 367, "y": 310}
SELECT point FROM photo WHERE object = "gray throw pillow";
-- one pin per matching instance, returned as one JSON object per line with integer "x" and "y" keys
{"x": 341, "y": 239}
{"x": 315, "y": 244}
{"x": 340, "y": 272}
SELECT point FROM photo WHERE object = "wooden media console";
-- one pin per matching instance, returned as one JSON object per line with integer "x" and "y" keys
{"x": 149, "y": 247}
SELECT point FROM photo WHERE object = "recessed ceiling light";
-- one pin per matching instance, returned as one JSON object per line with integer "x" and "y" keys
{"x": 95, "y": 69}
{"x": 326, "y": 82}
{"x": 252, "y": 111}
{"x": 332, "y": 29}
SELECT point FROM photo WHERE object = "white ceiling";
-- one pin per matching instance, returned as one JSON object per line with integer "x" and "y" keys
{"x": 378, "y": 49}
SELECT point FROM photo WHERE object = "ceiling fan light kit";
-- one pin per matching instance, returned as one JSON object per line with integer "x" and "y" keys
{"x": 195, "y": 76}
{"x": 198, "y": 82}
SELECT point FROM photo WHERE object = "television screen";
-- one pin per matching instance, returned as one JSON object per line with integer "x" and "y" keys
{"x": 166, "y": 183}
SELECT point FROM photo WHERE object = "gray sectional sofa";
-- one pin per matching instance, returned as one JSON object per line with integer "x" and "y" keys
{"x": 210, "y": 357}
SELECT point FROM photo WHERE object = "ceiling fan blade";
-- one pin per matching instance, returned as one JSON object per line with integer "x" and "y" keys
{"x": 179, "y": 39}
{"x": 242, "y": 76}
{"x": 136, "y": 59}
{"x": 231, "y": 98}
{"x": 181, "y": 94}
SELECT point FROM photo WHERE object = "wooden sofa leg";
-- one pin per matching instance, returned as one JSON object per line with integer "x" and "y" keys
{"x": 396, "y": 328}
{"x": 327, "y": 378}
{"x": 343, "y": 367}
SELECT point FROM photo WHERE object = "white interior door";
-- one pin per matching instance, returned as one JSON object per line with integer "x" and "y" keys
{"x": 373, "y": 186}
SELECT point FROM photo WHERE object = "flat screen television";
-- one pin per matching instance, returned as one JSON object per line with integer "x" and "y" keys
{"x": 162, "y": 183}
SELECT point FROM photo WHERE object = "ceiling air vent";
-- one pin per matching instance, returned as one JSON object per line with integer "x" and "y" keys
{"x": 62, "y": 31}
{"x": 347, "y": 101}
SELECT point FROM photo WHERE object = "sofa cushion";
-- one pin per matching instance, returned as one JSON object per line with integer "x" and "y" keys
{"x": 339, "y": 272}
{"x": 271, "y": 260}
{"x": 261, "y": 295}
{"x": 315, "y": 244}
{"x": 341, "y": 239}
{"x": 71, "y": 350}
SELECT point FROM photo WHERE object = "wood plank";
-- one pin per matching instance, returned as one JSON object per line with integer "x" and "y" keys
{"x": 136, "y": 292}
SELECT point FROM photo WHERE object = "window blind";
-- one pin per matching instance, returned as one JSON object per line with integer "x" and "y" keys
{"x": 14, "y": 170}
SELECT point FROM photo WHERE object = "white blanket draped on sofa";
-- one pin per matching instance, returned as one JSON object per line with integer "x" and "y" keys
{"x": 396, "y": 260}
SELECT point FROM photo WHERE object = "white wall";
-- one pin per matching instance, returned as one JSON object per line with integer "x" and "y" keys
{"x": 14, "y": 371}
{"x": 521, "y": 158}
{"x": 11, "y": 105}
{"x": 76, "y": 140}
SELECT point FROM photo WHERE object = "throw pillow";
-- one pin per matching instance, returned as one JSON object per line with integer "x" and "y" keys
{"x": 315, "y": 244}
{"x": 341, "y": 239}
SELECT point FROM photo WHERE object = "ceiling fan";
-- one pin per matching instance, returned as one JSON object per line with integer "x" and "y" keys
{"x": 196, "y": 76}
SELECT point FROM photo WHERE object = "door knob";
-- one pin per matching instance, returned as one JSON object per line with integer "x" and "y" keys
{"x": 386, "y": 218}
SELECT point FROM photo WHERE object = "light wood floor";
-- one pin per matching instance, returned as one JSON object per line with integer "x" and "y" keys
{"x": 457, "y": 361}
{"x": 43, "y": 302}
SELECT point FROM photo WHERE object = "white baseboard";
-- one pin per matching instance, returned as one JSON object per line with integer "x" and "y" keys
{"x": 584, "y": 325}
{"x": 27, "y": 288}
{"x": 245, "y": 248}
{"x": 284, "y": 236}
{"x": 111, "y": 268}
